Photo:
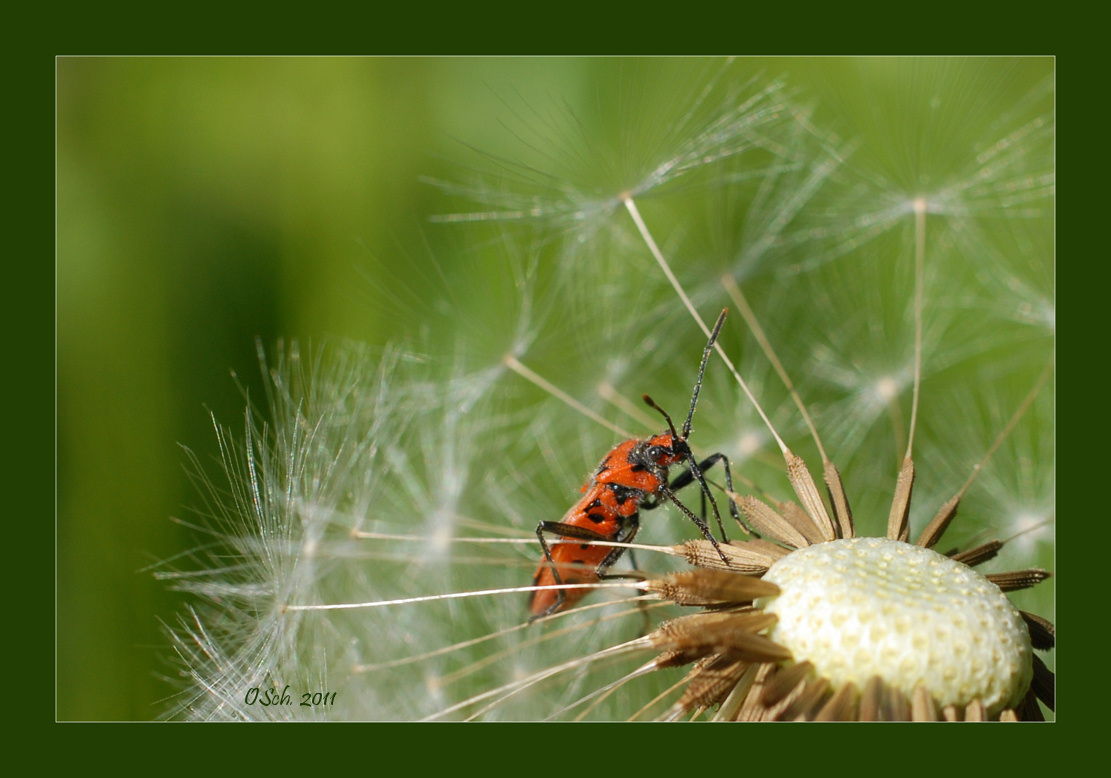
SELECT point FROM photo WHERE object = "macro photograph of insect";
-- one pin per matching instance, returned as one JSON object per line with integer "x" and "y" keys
{"x": 561, "y": 389}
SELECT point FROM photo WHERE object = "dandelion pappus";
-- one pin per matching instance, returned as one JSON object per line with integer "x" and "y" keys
{"x": 631, "y": 477}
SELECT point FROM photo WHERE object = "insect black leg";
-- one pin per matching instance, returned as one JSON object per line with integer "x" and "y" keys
{"x": 541, "y": 528}
{"x": 696, "y": 471}
{"x": 572, "y": 532}
{"x": 685, "y": 478}
{"x": 689, "y": 476}
{"x": 603, "y": 573}
{"x": 666, "y": 492}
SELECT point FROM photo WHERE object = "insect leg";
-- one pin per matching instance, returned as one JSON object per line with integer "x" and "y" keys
{"x": 696, "y": 471}
{"x": 666, "y": 492}
{"x": 692, "y": 474}
{"x": 573, "y": 532}
{"x": 541, "y": 528}
{"x": 630, "y": 526}
{"x": 626, "y": 536}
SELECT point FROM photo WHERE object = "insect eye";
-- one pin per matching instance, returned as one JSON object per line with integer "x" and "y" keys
{"x": 656, "y": 453}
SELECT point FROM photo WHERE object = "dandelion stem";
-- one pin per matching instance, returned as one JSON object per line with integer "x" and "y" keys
{"x": 648, "y": 239}
{"x": 607, "y": 392}
{"x": 450, "y": 596}
{"x": 360, "y": 535}
{"x": 515, "y": 365}
{"x": 920, "y": 206}
{"x": 750, "y": 319}
{"x": 1047, "y": 371}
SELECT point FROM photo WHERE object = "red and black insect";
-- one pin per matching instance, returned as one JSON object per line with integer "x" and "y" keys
{"x": 632, "y": 477}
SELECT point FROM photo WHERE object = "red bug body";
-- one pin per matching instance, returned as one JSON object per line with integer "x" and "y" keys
{"x": 631, "y": 477}
{"x": 600, "y": 512}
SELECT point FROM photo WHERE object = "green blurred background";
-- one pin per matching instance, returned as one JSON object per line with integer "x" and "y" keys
{"x": 205, "y": 204}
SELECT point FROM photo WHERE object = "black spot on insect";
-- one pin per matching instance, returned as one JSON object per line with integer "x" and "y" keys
{"x": 584, "y": 547}
{"x": 638, "y": 468}
{"x": 597, "y": 518}
{"x": 622, "y": 494}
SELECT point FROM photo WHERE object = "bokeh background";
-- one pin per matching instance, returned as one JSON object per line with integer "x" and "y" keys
{"x": 206, "y": 205}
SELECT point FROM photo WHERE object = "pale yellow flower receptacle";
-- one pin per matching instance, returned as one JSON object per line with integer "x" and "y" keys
{"x": 864, "y": 607}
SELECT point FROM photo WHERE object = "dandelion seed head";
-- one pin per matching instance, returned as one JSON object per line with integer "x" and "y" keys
{"x": 1047, "y": 314}
{"x": 885, "y": 390}
{"x": 750, "y": 444}
{"x": 1028, "y": 530}
{"x": 440, "y": 536}
{"x": 864, "y": 607}
{"x": 433, "y": 685}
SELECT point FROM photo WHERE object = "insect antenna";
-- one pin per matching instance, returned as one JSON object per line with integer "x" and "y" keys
{"x": 652, "y": 404}
{"x": 797, "y": 473}
{"x": 701, "y": 372}
{"x": 696, "y": 472}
